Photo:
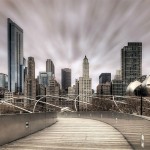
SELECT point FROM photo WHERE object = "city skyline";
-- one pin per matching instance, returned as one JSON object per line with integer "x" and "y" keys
{"x": 62, "y": 36}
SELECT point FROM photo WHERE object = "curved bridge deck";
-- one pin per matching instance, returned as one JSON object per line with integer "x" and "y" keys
{"x": 73, "y": 134}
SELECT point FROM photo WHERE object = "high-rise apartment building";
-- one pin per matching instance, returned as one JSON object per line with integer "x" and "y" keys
{"x": 131, "y": 68}
{"x": 65, "y": 79}
{"x": 85, "y": 87}
{"x": 104, "y": 77}
{"x": 131, "y": 62}
{"x": 15, "y": 58}
{"x": 30, "y": 81}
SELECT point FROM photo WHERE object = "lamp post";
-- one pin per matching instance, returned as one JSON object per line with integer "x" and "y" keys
{"x": 141, "y": 99}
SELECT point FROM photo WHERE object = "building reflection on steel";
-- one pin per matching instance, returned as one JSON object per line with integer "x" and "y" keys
{"x": 137, "y": 88}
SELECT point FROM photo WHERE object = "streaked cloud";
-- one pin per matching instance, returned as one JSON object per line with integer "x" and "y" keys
{"x": 66, "y": 30}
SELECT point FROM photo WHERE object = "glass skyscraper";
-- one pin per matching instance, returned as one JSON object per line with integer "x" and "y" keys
{"x": 15, "y": 58}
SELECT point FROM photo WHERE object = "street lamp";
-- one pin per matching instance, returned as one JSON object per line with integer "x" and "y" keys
{"x": 141, "y": 99}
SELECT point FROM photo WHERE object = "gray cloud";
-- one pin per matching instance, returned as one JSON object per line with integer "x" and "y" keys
{"x": 66, "y": 30}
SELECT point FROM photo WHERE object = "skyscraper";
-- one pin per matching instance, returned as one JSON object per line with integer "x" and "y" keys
{"x": 104, "y": 77}
{"x": 65, "y": 79}
{"x": 43, "y": 78}
{"x": 131, "y": 62}
{"x": 131, "y": 68}
{"x": 30, "y": 81}
{"x": 3, "y": 81}
{"x": 41, "y": 90}
{"x": 50, "y": 70}
{"x": 31, "y": 68}
{"x": 71, "y": 96}
{"x": 117, "y": 85}
{"x": 85, "y": 66}
{"x": 85, "y": 86}
{"x": 54, "y": 90}
{"x": 118, "y": 75}
{"x": 15, "y": 57}
{"x": 104, "y": 87}
{"x": 50, "y": 66}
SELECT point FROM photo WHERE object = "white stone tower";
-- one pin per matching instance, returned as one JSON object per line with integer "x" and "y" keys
{"x": 85, "y": 87}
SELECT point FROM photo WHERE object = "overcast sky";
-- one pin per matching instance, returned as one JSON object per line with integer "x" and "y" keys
{"x": 67, "y": 30}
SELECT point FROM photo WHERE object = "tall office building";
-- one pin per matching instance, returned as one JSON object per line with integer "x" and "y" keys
{"x": 71, "y": 96}
{"x": 118, "y": 75}
{"x": 131, "y": 62}
{"x": 54, "y": 90}
{"x": 15, "y": 58}
{"x": 118, "y": 85}
{"x": 104, "y": 77}
{"x": 30, "y": 81}
{"x": 65, "y": 79}
{"x": 3, "y": 84}
{"x": 3, "y": 81}
{"x": 85, "y": 67}
{"x": 40, "y": 90}
{"x": 31, "y": 68}
{"x": 43, "y": 78}
{"x": 85, "y": 86}
{"x": 50, "y": 66}
{"x": 50, "y": 69}
{"x": 104, "y": 89}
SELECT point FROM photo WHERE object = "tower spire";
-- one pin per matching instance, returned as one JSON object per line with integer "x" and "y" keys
{"x": 85, "y": 67}
{"x": 85, "y": 57}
